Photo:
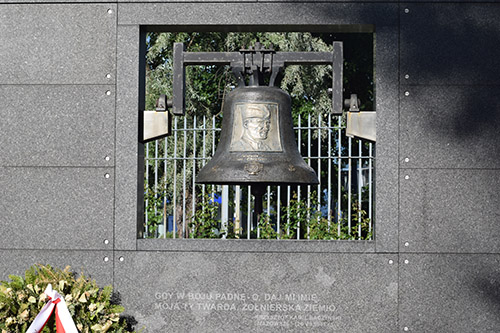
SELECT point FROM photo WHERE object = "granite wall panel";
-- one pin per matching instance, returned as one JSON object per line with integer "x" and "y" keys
{"x": 449, "y": 293}
{"x": 291, "y": 15}
{"x": 97, "y": 265}
{"x": 57, "y": 125}
{"x": 449, "y": 127}
{"x": 450, "y": 211}
{"x": 56, "y": 208}
{"x": 450, "y": 43}
{"x": 267, "y": 292}
{"x": 387, "y": 152}
{"x": 128, "y": 150}
{"x": 57, "y": 43}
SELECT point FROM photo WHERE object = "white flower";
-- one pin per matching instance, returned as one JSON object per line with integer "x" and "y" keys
{"x": 10, "y": 321}
{"x": 68, "y": 298}
{"x": 92, "y": 307}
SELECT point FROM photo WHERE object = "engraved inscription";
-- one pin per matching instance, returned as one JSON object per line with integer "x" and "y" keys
{"x": 266, "y": 309}
{"x": 255, "y": 127}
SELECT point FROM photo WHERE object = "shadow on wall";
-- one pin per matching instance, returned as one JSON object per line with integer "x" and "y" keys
{"x": 451, "y": 49}
{"x": 450, "y": 66}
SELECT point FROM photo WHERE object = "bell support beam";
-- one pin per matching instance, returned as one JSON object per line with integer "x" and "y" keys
{"x": 248, "y": 60}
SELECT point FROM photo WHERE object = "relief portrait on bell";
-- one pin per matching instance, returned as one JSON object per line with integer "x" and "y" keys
{"x": 256, "y": 127}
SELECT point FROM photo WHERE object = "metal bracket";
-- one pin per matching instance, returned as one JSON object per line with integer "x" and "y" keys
{"x": 361, "y": 124}
{"x": 157, "y": 124}
{"x": 255, "y": 61}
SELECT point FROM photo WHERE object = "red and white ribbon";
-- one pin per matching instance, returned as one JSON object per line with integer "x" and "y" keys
{"x": 64, "y": 322}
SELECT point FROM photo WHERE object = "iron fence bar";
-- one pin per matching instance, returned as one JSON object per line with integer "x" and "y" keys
{"x": 174, "y": 213}
{"x": 184, "y": 168}
{"x": 193, "y": 194}
{"x": 298, "y": 187}
{"x": 370, "y": 193}
{"x": 339, "y": 177}
{"x": 329, "y": 194}
{"x": 278, "y": 212}
{"x": 289, "y": 190}
{"x": 165, "y": 216}
{"x": 249, "y": 212}
{"x": 237, "y": 211}
{"x": 224, "y": 210}
{"x": 320, "y": 158}
{"x": 269, "y": 201}
{"x": 213, "y": 153}
{"x": 146, "y": 218}
{"x": 360, "y": 169}
{"x": 349, "y": 186}
{"x": 309, "y": 154}
{"x": 203, "y": 187}
{"x": 156, "y": 178}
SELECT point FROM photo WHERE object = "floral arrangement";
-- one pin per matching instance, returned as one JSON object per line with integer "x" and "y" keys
{"x": 93, "y": 309}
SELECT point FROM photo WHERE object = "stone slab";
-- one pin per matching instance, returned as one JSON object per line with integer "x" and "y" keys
{"x": 450, "y": 211}
{"x": 450, "y": 43}
{"x": 57, "y": 43}
{"x": 57, "y": 125}
{"x": 449, "y": 293}
{"x": 449, "y": 127}
{"x": 387, "y": 150}
{"x": 97, "y": 265}
{"x": 255, "y": 245}
{"x": 283, "y": 15}
{"x": 128, "y": 150}
{"x": 258, "y": 292}
{"x": 56, "y": 208}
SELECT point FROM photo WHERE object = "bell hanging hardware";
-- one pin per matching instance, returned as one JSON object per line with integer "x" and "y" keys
{"x": 360, "y": 124}
{"x": 255, "y": 62}
{"x": 156, "y": 124}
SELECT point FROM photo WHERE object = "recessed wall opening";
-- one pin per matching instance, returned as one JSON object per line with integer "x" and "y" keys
{"x": 342, "y": 205}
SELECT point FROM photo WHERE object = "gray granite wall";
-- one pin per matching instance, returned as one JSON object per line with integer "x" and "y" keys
{"x": 69, "y": 168}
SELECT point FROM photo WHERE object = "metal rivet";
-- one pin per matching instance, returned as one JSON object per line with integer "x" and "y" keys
{"x": 407, "y": 93}
{"x": 407, "y": 177}
{"x": 108, "y": 92}
{"x": 122, "y": 259}
{"x": 407, "y": 160}
{"x": 407, "y": 10}
{"x": 406, "y": 329}
{"x": 107, "y": 175}
{"x": 407, "y": 261}
{"x": 106, "y": 259}
{"x": 107, "y": 158}
{"x": 106, "y": 241}
{"x": 108, "y": 76}
{"x": 110, "y": 11}
{"x": 391, "y": 262}
{"x": 407, "y": 76}
{"x": 407, "y": 244}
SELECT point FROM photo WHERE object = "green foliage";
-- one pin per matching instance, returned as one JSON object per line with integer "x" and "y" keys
{"x": 313, "y": 225}
{"x": 91, "y": 307}
{"x": 266, "y": 227}
{"x": 155, "y": 208}
{"x": 205, "y": 223}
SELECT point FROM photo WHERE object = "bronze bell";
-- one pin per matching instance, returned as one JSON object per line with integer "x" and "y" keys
{"x": 257, "y": 144}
